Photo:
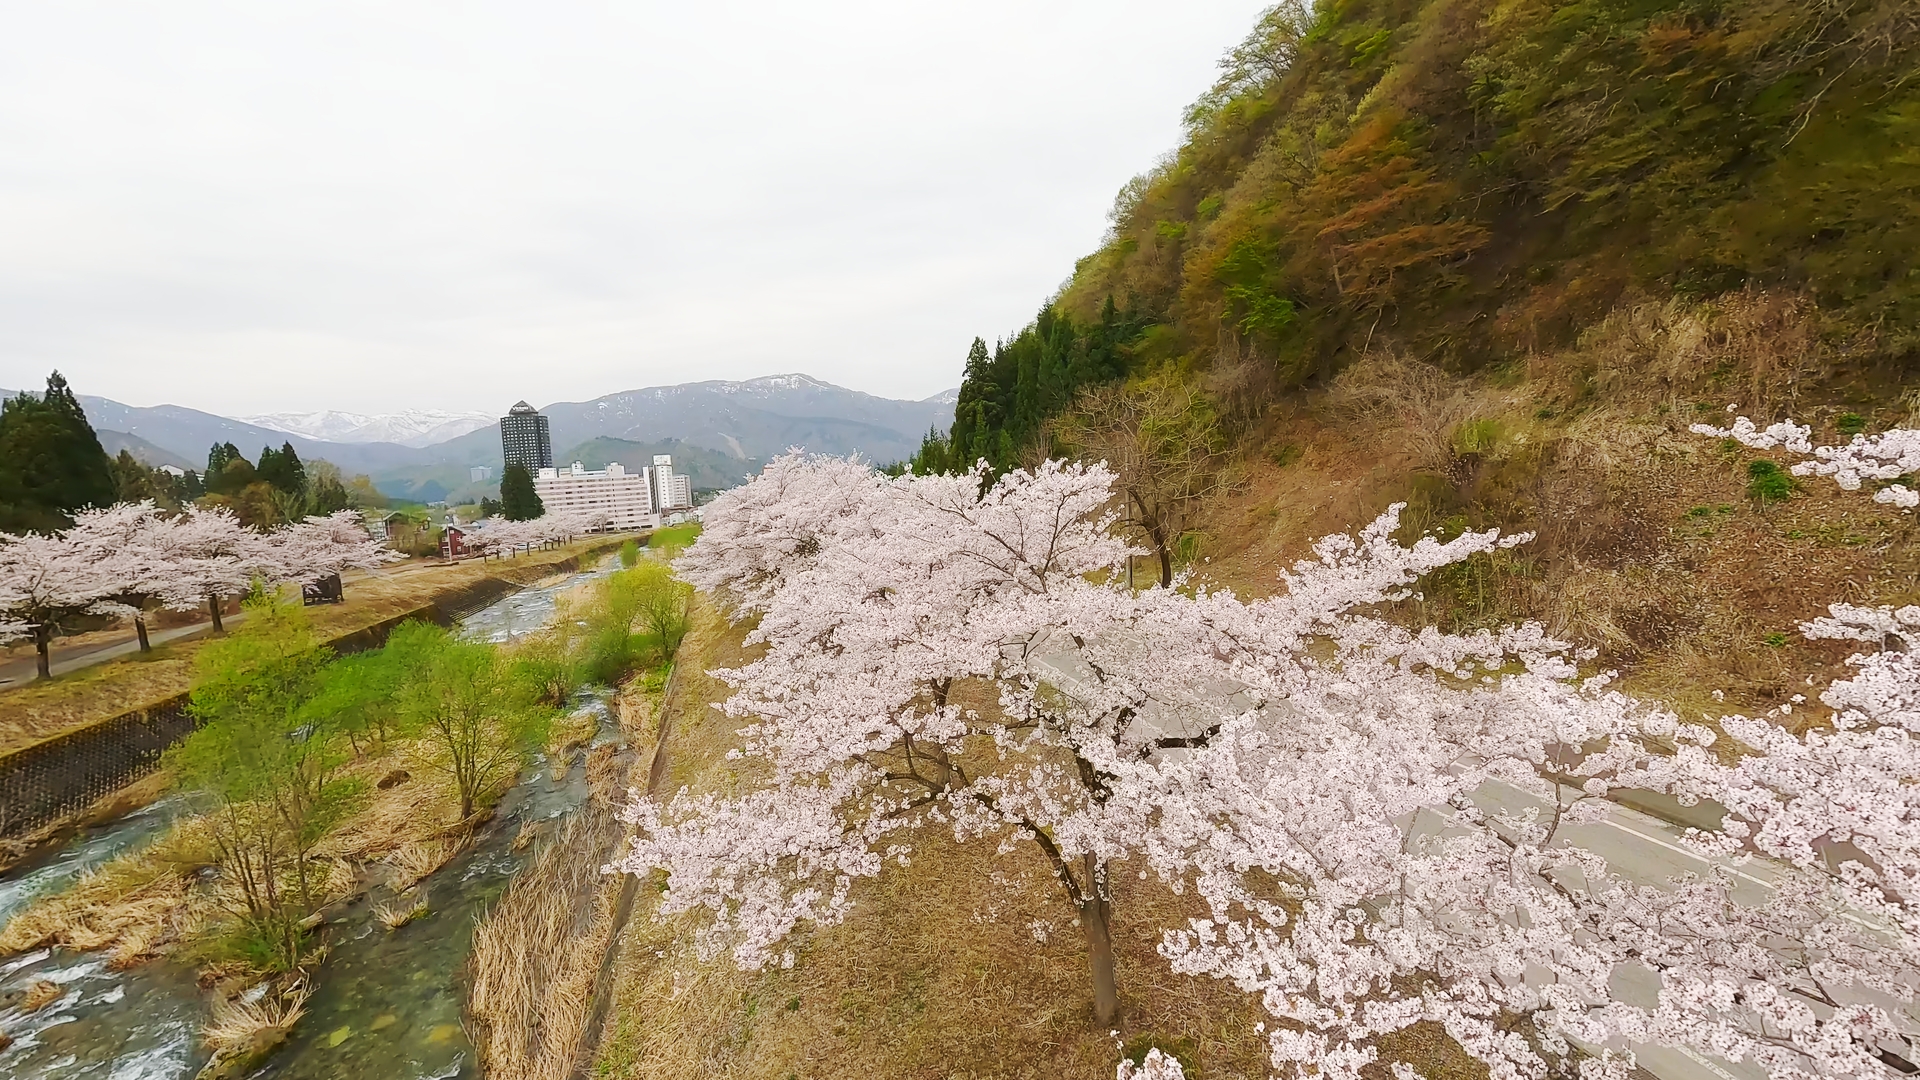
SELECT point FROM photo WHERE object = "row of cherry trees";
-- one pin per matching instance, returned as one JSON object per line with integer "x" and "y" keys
{"x": 130, "y": 558}
{"x": 944, "y": 654}
{"x": 497, "y": 534}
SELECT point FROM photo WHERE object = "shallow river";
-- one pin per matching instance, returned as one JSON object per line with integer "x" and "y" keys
{"x": 387, "y": 1005}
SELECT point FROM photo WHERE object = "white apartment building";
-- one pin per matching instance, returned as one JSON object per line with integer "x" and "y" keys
{"x": 626, "y": 497}
{"x": 671, "y": 490}
{"x": 636, "y": 500}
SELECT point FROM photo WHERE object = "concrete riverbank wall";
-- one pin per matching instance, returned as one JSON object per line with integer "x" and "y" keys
{"x": 45, "y": 782}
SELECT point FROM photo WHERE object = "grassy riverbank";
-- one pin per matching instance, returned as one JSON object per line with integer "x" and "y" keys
{"x": 43, "y": 709}
{"x": 401, "y": 753}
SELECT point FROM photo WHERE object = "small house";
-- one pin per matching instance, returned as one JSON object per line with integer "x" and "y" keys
{"x": 453, "y": 543}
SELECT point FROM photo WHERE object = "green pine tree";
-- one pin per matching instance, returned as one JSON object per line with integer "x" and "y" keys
{"x": 293, "y": 474}
{"x": 518, "y": 500}
{"x": 51, "y": 462}
{"x": 282, "y": 469}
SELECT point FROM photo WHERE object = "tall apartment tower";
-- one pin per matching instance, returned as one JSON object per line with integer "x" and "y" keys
{"x": 671, "y": 490}
{"x": 525, "y": 438}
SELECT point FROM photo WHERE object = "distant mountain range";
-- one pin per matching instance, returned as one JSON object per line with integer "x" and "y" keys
{"x": 415, "y": 427}
{"x": 742, "y": 422}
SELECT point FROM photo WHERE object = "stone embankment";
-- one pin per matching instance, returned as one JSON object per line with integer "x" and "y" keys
{"x": 61, "y": 776}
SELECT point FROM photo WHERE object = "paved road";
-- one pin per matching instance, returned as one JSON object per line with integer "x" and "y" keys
{"x": 22, "y": 670}
{"x": 1642, "y": 848}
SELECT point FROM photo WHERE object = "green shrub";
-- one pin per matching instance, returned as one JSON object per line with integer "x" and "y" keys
{"x": 1767, "y": 482}
{"x": 1476, "y": 437}
{"x": 1850, "y": 424}
{"x": 670, "y": 539}
{"x": 629, "y": 554}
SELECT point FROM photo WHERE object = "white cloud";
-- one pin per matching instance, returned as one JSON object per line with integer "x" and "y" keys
{"x": 253, "y": 208}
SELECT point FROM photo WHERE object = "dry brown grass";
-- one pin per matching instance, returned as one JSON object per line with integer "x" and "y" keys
{"x": 40, "y": 995}
{"x": 237, "y": 1022}
{"x": 42, "y": 709}
{"x": 416, "y": 860}
{"x": 937, "y": 974}
{"x": 415, "y": 812}
{"x": 132, "y": 905}
{"x": 1648, "y": 547}
{"x": 537, "y": 953}
{"x": 394, "y": 915}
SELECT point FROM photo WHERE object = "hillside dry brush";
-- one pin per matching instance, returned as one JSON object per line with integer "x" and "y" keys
{"x": 1382, "y": 822}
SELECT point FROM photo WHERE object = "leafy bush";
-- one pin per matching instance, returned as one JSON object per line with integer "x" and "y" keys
{"x": 1476, "y": 437}
{"x": 1767, "y": 482}
{"x": 629, "y": 554}
{"x": 672, "y": 538}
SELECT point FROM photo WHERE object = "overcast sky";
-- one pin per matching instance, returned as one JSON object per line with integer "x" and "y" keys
{"x": 257, "y": 207}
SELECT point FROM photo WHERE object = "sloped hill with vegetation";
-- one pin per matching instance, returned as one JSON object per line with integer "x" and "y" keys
{"x": 1494, "y": 258}
{"x": 1475, "y": 181}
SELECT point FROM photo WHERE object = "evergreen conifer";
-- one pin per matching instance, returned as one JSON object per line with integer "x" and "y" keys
{"x": 518, "y": 500}
{"x": 51, "y": 462}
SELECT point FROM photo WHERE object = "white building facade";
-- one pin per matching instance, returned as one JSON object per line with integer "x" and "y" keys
{"x": 626, "y": 497}
{"x": 632, "y": 500}
{"x": 671, "y": 490}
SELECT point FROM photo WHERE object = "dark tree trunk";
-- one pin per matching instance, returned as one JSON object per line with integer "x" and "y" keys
{"x": 1096, "y": 917}
{"x": 43, "y": 645}
{"x": 213, "y": 608}
{"x": 1166, "y": 565}
{"x": 140, "y": 631}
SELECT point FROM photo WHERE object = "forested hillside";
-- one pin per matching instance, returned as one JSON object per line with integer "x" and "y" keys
{"x": 1474, "y": 181}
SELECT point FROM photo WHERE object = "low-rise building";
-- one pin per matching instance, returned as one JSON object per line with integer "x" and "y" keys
{"x": 626, "y": 498}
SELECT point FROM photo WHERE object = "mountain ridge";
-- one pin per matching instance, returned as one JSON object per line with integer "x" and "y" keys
{"x": 748, "y": 420}
{"x": 410, "y": 427}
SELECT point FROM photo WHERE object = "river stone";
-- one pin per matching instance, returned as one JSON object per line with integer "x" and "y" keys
{"x": 339, "y": 1035}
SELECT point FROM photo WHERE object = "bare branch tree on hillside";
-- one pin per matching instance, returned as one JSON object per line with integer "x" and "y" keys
{"x": 1162, "y": 438}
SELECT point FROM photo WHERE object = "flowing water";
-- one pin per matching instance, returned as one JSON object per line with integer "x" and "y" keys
{"x": 386, "y": 1004}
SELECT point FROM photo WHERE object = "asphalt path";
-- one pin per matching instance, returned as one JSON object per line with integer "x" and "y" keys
{"x": 23, "y": 670}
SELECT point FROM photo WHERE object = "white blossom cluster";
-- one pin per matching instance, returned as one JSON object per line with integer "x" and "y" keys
{"x": 1156, "y": 1065}
{"x": 117, "y": 560}
{"x": 497, "y": 534}
{"x": 1888, "y": 456}
{"x": 945, "y": 652}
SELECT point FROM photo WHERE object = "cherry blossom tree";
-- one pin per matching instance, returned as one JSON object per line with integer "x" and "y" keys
{"x": 758, "y": 534}
{"x": 45, "y": 581}
{"x": 211, "y": 557}
{"x": 130, "y": 539}
{"x": 321, "y": 547}
{"x": 1383, "y": 822}
{"x": 495, "y": 534}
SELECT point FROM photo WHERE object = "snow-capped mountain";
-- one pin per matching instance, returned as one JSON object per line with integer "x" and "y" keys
{"x": 414, "y": 427}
